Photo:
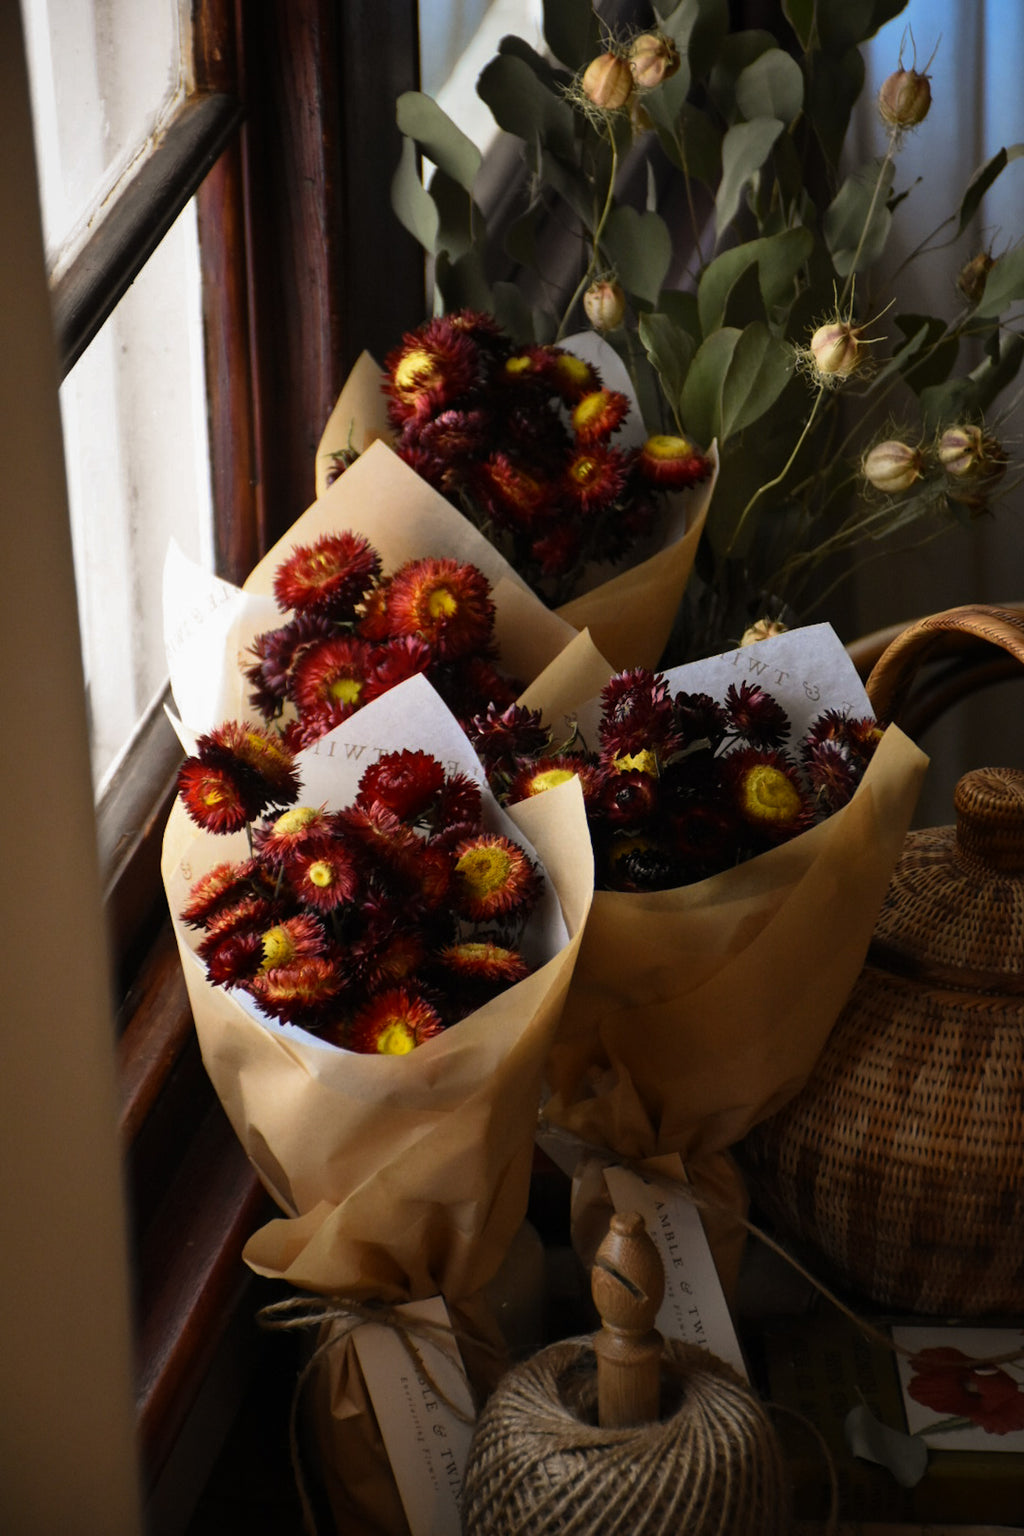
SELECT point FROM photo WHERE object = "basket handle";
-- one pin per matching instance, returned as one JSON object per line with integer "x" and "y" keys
{"x": 937, "y": 635}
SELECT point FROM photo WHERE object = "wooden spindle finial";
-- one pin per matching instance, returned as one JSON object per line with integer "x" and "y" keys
{"x": 627, "y": 1283}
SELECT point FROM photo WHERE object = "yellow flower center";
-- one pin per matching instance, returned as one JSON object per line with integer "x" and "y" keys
{"x": 441, "y": 603}
{"x": 346, "y": 689}
{"x": 278, "y": 948}
{"x": 321, "y": 874}
{"x": 485, "y": 870}
{"x": 550, "y": 778}
{"x": 395, "y": 1038}
{"x": 471, "y": 951}
{"x": 294, "y": 820}
{"x": 590, "y": 409}
{"x": 638, "y": 762}
{"x": 585, "y": 470}
{"x": 521, "y": 364}
{"x": 417, "y": 370}
{"x": 573, "y": 369}
{"x": 768, "y": 795}
{"x": 663, "y": 447}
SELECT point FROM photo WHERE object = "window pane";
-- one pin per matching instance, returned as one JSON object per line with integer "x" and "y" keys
{"x": 134, "y": 419}
{"x": 104, "y": 74}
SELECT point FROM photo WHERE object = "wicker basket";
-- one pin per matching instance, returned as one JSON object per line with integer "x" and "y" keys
{"x": 902, "y": 1160}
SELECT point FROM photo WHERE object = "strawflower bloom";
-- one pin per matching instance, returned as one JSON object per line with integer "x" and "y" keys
{"x": 330, "y": 576}
{"x": 672, "y": 462}
{"x": 405, "y": 782}
{"x": 597, "y": 415}
{"x": 393, "y": 1024}
{"x": 493, "y": 878}
{"x": 430, "y": 370}
{"x": 447, "y": 604}
{"x": 755, "y": 715}
{"x": 767, "y": 793}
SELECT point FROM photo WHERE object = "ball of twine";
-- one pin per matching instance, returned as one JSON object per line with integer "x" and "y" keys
{"x": 539, "y": 1463}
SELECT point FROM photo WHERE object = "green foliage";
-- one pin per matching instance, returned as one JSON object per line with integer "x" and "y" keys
{"x": 715, "y": 201}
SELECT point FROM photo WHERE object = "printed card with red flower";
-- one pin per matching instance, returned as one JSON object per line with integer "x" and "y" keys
{"x": 963, "y": 1388}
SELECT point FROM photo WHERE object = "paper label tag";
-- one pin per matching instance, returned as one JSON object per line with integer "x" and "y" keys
{"x": 427, "y": 1444}
{"x": 695, "y": 1310}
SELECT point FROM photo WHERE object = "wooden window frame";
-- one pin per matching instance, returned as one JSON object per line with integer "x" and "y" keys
{"x": 303, "y": 265}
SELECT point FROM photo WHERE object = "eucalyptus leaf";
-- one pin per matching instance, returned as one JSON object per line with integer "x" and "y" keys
{"x": 420, "y": 118}
{"x": 978, "y": 186}
{"x": 414, "y": 207}
{"x": 572, "y": 31}
{"x": 760, "y": 368}
{"x": 738, "y": 50}
{"x": 694, "y": 143}
{"x": 857, "y": 221}
{"x": 779, "y": 259}
{"x": 972, "y": 395}
{"x": 844, "y": 23}
{"x": 455, "y": 213}
{"x": 745, "y": 148}
{"x": 462, "y": 283}
{"x": 833, "y": 86}
{"x": 772, "y": 86}
{"x": 702, "y": 392}
{"x": 639, "y": 247}
{"x": 800, "y": 15}
{"x": 523, "y": 105}
{"x": 905, "y": 1456}
{"x": 670, "y": 349}
{"x": 1004, "y": 284}
{"x": 571, "y": 184}
{"x": 698, "y": 28}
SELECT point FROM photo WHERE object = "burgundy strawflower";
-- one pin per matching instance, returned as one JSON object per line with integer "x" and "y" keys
{"x": 755, "y": 715}
{"x": 493, "y": 878}
{"x": 447, "y": 604}
{"x": 393, "y": 1023}
{"x": 328, "y": 577}
{"x": 431, "y": 369}
{"x": 406, "y": 783}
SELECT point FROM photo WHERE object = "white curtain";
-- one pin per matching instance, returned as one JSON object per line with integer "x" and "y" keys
{"x": 977, "y": 108}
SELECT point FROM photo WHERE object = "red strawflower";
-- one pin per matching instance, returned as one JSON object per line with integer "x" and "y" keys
{"x": 304, "y": 993}
{"x": 393, "y": 1023}
{"x": 251, "y": 915}
{"x": 375, "y": 621}
{"x": 331, "y": 675}
{"x": 432, "y": 368}
{"x": 629, "y": 799}
{"x": 557, "y": 551}
{"x": 447, "y": 604}
{"x": 513, "y": 496}
{"x": 275, "y": 653}
{"x": 830, "y": 774}
{"x": 459, "y": 804}
{"x": 394, "y": 661}
{"x": 404, "y": 782}
{"x": 766, "y": 792}
{"x": 673, "y": 462}
{"x": 551, "y": 770}
{"x": 235, "y": 960}
{"x": 323, "y": 875}
{"x": 950, "y": 1382}
{"x": 294, "y": 938}
{"x": 386, "y": 952}
{"x": 238, "y": 772}
{"x": 389, "y": 846}
{"x": 290, "y": 832}
{"x": 699, "y": 717}
{"x": 756, "y": 716}
{"x": 571, "y": 376}
{"x": 331, "y": 576}
{"x": 222, "y": 886}
{"x": 493, "y": 878}
{"x": 481, "y": 963}
{"x": 453, "y": 439}
{"x": 595, "y": 476}
{"x": 597, "y": 415}
{"x": 503, "y": 736}
{"x": 637, "y": 716}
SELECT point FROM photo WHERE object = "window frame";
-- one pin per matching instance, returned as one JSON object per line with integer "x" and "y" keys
{"x": 303, "y": 265}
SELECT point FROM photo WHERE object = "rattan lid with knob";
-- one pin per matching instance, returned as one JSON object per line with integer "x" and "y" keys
{"x": 954, "y": 911}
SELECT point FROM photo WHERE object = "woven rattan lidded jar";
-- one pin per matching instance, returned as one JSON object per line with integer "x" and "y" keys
{"x": 902, "y": 1159}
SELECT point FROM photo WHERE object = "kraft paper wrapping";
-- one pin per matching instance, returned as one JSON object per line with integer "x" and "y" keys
{"x": 400, "y": 1177}
{"x": 629, "y": 615}
{"x": 694, "y": 1013}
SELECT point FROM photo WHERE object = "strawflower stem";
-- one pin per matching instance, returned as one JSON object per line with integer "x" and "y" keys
{"x": 770, "y": 485}
{"x": 587, "y": 278}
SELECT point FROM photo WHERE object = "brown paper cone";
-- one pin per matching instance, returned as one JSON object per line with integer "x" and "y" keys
{"x": 696, "y": 1012}
{"x": 629, "y": 615}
